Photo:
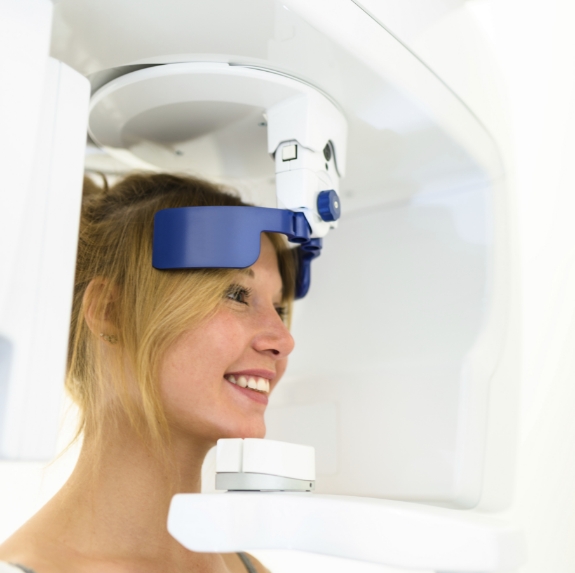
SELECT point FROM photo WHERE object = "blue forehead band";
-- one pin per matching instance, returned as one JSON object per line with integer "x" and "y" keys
{"x": 228, "y": 237}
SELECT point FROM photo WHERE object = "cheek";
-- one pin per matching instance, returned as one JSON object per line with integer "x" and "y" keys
{"x": 201, "y": 354}
{"x": 191, "y": 376}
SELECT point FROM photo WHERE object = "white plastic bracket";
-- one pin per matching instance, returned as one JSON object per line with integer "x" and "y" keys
{"x": 393, "y": 533}
{"x": 307, "y": 137}
{"x": 264, "y": 465}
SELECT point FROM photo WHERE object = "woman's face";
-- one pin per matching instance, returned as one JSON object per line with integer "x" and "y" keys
{"x": 206, "y": 375}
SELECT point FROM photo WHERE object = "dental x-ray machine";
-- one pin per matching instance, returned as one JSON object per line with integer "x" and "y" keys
{"x": 402, "y": 374}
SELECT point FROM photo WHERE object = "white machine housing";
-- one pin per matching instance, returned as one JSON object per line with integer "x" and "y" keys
{"x": 151, "y": 114}
{"x": 407, "y": 350}
{"x": 43, "y": 113}
{"x": 406, "y": 355}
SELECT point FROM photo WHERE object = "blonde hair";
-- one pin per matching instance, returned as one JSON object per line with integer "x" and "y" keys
{"x": 149, "y": 308}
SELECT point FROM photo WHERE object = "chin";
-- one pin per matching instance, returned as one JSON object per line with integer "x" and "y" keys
{"x": 251, "y": 429}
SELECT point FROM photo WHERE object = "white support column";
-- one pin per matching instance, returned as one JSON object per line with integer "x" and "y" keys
{"x": 35, "y": 311}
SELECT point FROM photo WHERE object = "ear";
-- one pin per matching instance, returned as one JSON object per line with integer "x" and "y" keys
{"x": 99, "y": 302}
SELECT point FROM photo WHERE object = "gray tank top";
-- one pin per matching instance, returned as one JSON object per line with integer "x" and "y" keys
{"x": 244, "y": 557}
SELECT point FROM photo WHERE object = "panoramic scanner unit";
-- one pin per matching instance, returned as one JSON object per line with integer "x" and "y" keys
{"x": 306, "y": 135}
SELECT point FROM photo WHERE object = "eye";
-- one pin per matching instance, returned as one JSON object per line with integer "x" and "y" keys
{"x": 282, "y": 312}
{"x": 238, "y": 293}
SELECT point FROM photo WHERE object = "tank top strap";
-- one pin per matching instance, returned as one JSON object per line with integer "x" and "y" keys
{"x": 21, "y": 568}
{"x": 246, "y": 561}
{"x": 243, "y": 557}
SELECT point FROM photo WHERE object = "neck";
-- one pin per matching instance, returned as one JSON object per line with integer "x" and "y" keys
{"x": 116, "y": 501}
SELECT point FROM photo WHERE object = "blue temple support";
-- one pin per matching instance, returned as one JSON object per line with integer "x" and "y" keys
{"x": 307, "y": 252}
{"x": 227, "y": 237}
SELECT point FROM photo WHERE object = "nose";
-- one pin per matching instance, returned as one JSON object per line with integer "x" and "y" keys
{"x": 273, "y": 336}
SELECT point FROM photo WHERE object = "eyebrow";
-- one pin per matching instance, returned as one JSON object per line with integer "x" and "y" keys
{"x": 248, "y": 272}
{"x": 251, "y": 274}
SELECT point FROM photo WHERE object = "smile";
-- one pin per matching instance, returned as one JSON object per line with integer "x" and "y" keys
{"x": 252, "y": 382}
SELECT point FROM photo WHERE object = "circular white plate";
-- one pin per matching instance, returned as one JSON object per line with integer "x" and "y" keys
{"x": 207, "y": 118}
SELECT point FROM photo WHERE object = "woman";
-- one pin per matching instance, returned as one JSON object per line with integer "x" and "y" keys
{"x": 158, "y": 363}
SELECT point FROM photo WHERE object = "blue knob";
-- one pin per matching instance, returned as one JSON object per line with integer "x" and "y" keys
{"x": 328, "y": 205}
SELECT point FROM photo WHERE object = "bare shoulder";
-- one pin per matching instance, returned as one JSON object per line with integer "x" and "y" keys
{"x": 27, "y": 562}
{"x": 22, "y": 548}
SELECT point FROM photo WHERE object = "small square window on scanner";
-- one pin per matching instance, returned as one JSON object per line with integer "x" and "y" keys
{"x": 289, "y": 152}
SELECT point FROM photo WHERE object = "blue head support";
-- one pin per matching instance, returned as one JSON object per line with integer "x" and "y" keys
{"x": 228, "y": 237}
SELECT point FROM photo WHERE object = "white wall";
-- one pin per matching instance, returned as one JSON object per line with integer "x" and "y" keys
{"x": 539, "y": 65}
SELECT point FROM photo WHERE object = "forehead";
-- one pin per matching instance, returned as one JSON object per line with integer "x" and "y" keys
{"x": 268, "y": 256}
{"x": 266, "y": 267}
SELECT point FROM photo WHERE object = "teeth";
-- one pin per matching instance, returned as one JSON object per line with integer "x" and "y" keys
{"x": 262, "y": 385}
{"x": 258, "y": 384}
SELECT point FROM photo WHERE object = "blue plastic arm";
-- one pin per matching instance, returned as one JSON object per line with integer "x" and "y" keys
{"x": 228, "y": 237}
